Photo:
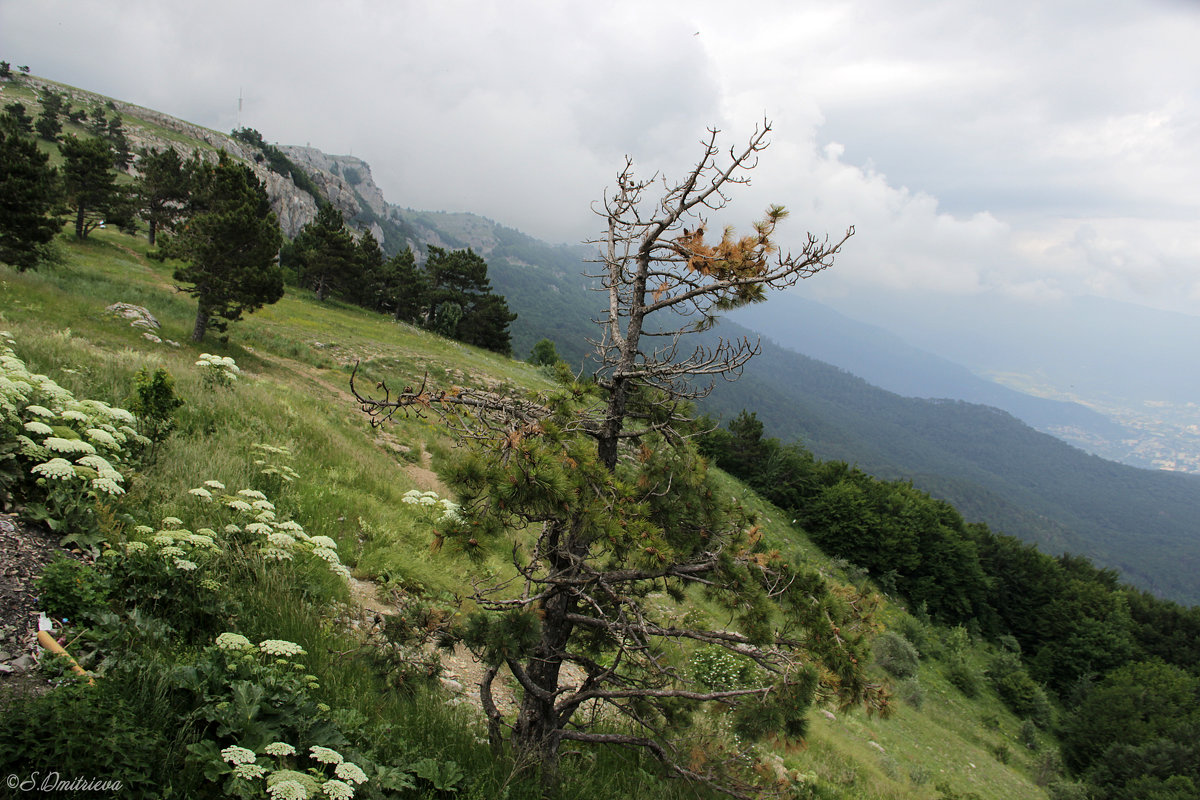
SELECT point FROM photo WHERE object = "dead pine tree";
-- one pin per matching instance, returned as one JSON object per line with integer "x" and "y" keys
{"x": 633, "y": 575}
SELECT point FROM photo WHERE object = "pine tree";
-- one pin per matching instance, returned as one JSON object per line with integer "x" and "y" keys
{"x": 404, "y": 289}
{"x": 459, "y": 278}
{"x": 29, "y": 192}
{"x": 230, "y": 242}
{"x": 89, "y": 183}
{"x": 621, "y": 506}
{"x": 161, "y": 189}
{"x": 327, "y": 253}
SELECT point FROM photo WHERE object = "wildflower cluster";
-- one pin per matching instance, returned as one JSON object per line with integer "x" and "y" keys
{"x": 448, "y": 510}
{"x": 718, "y": 669}
{"x": 218, "y": 370}
{"x": 271, "y": 459}
{"x": 257, "y": 522}
{"x": 278, "y": 766}
{"x": 183, "y": 549}
{"x": 66, "y": 453}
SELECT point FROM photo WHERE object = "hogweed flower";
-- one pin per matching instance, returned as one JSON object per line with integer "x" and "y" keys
{"x": 280, "y": 540}
{"x": 101, "y": 465}
{"x": 233, "y": 642}
{"x": 325, "y": 755}
{"x": 237, "y": 755}
{"x": 201, "y": 492}
{"x": 215, "y": 485}
{"x": 280, "y": 647}
{"x": 326, "y": 555}
{"x": 38, "y": 428}
{"x": 337, "y": 790}
{"x": 55, "y": 469}
{"x": 61, "y": 445}
{"x": 249, "y": 771}
{"x": 103, "y": 438}
{"x": 351, "y": 772}
{"x": 106, "y": 485}
{"x": 279, "y": 749}
{"x": 287, "y": 790}
{"x": 322, "y": 541}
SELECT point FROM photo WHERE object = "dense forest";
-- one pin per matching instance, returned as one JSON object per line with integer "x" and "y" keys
{"x": 1123, "y": 664}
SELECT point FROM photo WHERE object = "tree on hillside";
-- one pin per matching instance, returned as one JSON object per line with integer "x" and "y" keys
{"x": 161, "y": 189}
{"x": 366, "y": 290}
{"x": 544, "y": 354}
{"x": 621, "y": 508}
{"x": 16, "y": 111}
{"x": 230, "y": 242}
{"x": 48, "y": 124}
{"x": 404, "y": 287}
{"x": 459, "y": 279}
{"x": 28, "y": 194}
{"x": 89, "y": 182}
{"x": 327, "y": 253}
{"x": 115, "y": 133}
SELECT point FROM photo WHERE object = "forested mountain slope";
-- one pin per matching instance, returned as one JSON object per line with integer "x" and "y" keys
{"x": 990, "y": 465}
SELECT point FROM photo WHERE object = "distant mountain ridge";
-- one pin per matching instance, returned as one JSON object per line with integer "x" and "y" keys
{"x": 993, "y": 467}
{"x": 883, "y": 359}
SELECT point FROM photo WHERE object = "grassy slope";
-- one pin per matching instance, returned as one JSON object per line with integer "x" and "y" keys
{"x": 296, "y": 357}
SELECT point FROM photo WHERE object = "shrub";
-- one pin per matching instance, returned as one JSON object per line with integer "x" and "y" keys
{"x": 1029, "y": 736}
{"x": 963, "y": 676}
{"x": 896, "y": 655}
{"x": 1019, "y": 691}
{"x": 70, "y": 589}
{"x": 154, "y": 404}
{"x": 917, "y": 633}
{"x": 911, "y": 692}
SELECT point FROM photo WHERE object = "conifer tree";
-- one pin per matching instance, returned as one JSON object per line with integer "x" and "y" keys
{"x": 404, "y": 288}
{"x": 230, "y": 242}
{"x": 620, "y": 506}
{"x": 327, "y": 253}
{"x": 28, "y": 194}
{"x": 88, "y": 180}
{"x": 161, "y": 189}
{"x": 459, "y": 278}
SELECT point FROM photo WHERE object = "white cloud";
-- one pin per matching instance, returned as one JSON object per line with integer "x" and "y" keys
{"x": 973, "y": 145}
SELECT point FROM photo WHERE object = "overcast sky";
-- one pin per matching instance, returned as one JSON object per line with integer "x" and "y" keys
{"x": 1033, "y": 147}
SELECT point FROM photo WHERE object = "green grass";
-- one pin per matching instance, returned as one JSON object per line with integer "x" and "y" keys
{"x": 296, "y": 356}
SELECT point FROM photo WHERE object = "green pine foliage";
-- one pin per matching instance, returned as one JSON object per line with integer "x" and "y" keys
{"x": 89, "y": 182}
{"x": 230, "y": 246}
{"x": 29, "y": 193}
